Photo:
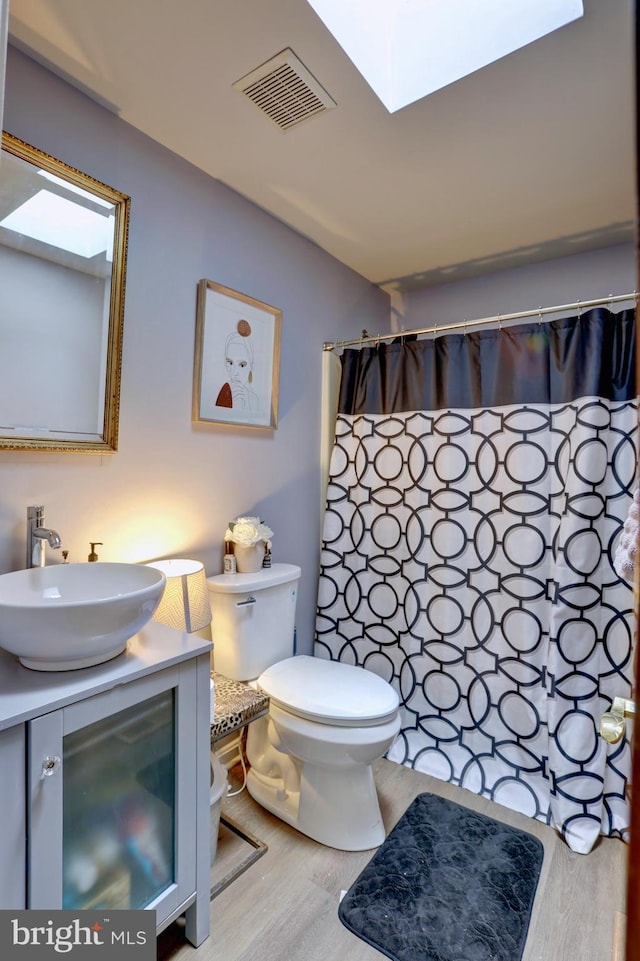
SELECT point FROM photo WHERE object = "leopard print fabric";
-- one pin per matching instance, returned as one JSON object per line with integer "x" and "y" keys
{"x": 235, "y": 705}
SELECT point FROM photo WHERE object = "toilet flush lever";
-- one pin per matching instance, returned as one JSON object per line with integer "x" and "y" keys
{"x": 249, "y": 600}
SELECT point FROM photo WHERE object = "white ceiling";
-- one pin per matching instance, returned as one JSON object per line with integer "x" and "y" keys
{"x": 530, "y": 158}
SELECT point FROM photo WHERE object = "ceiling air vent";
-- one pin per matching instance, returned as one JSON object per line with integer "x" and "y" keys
{"x": 284, "y": 89}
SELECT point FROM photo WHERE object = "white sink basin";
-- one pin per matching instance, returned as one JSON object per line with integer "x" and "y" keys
{"x": 67, "y": 616}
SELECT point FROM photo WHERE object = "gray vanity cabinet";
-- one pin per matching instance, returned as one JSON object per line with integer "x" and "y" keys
{"x": 115, "y": 763}
{"x": 13, "y": 818}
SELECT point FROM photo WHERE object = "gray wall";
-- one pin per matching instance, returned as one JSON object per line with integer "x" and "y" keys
{"x": 546, "y": 284}
{"x": 172, "y": 486}
{"x": 39, "y": 299}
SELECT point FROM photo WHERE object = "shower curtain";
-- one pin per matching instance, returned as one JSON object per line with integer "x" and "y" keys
{"x": 478, "y": 485}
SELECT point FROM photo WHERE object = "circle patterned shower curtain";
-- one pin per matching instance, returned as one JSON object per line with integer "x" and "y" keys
{"x": 478, "y": 486}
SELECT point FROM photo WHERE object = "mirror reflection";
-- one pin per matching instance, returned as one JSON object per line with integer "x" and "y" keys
{"x": 63, "y": 244}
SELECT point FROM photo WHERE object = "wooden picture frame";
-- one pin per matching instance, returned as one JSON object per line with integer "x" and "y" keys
{"x": 237, "y": 359}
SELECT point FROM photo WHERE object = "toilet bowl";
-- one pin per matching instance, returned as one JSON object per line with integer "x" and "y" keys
{"x": 311, "y": 757}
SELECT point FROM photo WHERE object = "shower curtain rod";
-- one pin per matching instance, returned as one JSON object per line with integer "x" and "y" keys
{"x": 498, "y": 319}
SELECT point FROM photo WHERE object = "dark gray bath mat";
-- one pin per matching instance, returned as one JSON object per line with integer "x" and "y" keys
{"x": 447, "y": 884}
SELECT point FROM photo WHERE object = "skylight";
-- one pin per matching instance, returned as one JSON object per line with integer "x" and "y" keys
{"x": 74, "y": 189}
{"x": 407, "y": 49}
{"x": 61, "y": 223}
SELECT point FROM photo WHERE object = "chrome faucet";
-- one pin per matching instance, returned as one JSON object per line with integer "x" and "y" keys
{"x": 37, "y": 536}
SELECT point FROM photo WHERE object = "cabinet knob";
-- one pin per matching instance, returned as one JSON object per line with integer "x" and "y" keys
{"x": 50, "y": 765}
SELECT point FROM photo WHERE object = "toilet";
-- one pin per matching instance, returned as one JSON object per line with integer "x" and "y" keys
{"x": 310, "y": 758}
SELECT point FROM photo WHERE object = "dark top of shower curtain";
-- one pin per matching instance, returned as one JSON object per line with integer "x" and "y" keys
{"x": 540, "y": 363}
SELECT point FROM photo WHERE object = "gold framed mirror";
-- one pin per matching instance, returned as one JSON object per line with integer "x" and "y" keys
{"x": 63, "y": 253}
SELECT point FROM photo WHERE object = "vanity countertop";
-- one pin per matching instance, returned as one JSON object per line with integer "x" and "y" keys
{"x": 25, "y": 694}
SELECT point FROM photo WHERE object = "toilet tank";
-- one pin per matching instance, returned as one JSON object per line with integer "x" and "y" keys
{"x": 252, "y": 619}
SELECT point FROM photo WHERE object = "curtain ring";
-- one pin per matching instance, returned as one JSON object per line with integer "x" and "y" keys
{"x": 499, "y": 322}
{"x": 539, "y": 316}
{"x": 579, "y": 309}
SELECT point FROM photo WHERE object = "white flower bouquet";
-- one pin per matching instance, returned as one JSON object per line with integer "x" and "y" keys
{"x": 248, "y": 531}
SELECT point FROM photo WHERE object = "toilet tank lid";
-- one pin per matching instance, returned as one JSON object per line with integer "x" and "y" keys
{"x": 241, "y": 583}
{"x": 329, "y": 691}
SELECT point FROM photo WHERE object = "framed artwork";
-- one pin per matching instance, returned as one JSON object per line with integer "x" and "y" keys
{"x": 237, "y": 359}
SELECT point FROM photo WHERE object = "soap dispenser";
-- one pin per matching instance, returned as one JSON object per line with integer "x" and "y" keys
{"x": 93, "y": 556}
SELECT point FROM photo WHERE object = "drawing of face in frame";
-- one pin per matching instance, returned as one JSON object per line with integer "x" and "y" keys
{"x": 236, "y": 370}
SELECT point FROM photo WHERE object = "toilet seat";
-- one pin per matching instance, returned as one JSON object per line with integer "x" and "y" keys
{"x": 329, "y": 692}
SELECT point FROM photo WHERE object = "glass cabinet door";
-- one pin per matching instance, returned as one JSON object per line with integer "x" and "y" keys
{"x": 111, "y": 798}
{"x": 118, "y": 801}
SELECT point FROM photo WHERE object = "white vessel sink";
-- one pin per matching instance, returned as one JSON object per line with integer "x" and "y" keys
{"x": 68, "y": 616}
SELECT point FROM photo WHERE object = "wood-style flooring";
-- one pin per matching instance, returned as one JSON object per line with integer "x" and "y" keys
{"x": 284, "y": 906}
